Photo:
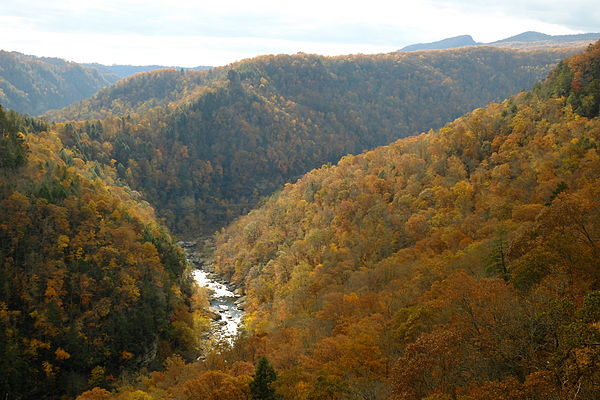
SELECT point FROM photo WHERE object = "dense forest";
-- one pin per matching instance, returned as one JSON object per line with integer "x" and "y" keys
{"x": 205, "y": 146}
{"x": 458, "y": 264}
{"x": 138, "y": 94}
{"x": 35, "y": 85}
{"x": 91, "y": 287}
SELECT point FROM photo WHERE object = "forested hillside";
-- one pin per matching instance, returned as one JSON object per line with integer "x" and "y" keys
{"x": 138, "y": 94}
{"x": 459, "y": 264}
{"x": 35, "y": 85}
{"x": 205, "y": 146}
{"x": 91, "y": 287}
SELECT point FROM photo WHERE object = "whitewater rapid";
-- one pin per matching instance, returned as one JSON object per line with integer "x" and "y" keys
{"x": 224, "y": 303}
{"x": 226, "y": 307}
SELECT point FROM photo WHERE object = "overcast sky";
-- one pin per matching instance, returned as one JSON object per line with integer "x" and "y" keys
{"x": 217, "y": 32}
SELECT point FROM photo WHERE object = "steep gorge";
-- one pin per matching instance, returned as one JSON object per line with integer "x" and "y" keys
{"x": 380, "y": 276}
{"x": 206, "y": 146}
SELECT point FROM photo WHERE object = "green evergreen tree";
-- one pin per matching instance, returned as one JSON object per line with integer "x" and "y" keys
{"x": 264, "y": 376}
{"x": 13, "y": 149}
{"x": 497, "y": 264}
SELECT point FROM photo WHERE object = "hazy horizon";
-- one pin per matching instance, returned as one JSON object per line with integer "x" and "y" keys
{"x": 188, "y": 34}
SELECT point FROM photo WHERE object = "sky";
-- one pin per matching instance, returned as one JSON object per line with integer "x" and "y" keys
{"x": 197, "y": 32}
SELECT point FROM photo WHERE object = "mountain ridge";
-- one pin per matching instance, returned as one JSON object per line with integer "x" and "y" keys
{"x": 252, "y": 126}
{"x": 448, "y": 43}
{"x": 525, "y": 39}
{"x": 33, "y": 85}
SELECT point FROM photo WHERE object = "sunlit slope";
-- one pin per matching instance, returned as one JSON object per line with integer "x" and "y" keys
{"x": 462, "y": 262}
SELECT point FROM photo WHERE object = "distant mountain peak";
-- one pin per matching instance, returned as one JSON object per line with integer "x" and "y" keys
{"x": 449, "y": 43}
{"x": 532, "y": 37}
{"x": 529, "y": 36}
{"x": 527, "y": 39}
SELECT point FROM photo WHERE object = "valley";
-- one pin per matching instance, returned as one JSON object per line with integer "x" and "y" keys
{"x": 404, "y": 226}
{"x": 206, "y": 146}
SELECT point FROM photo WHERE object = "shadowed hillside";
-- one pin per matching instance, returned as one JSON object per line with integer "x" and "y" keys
{"x": 205, "y": 146}
{"x": 91, "y": 287}
{"x": 35, "y": 85}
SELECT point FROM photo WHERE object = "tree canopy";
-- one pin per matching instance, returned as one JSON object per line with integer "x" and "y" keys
{"x": 206, "y": 146}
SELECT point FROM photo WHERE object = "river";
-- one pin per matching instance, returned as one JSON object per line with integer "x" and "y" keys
{"x": 226, "y": 304}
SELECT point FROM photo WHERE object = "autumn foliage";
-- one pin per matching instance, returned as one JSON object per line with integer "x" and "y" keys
{"x": 206, "y": 146}
{"x": 458, "y": 264}
{"x": 34, "y": 85}
{"x": 90, "y": 285}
